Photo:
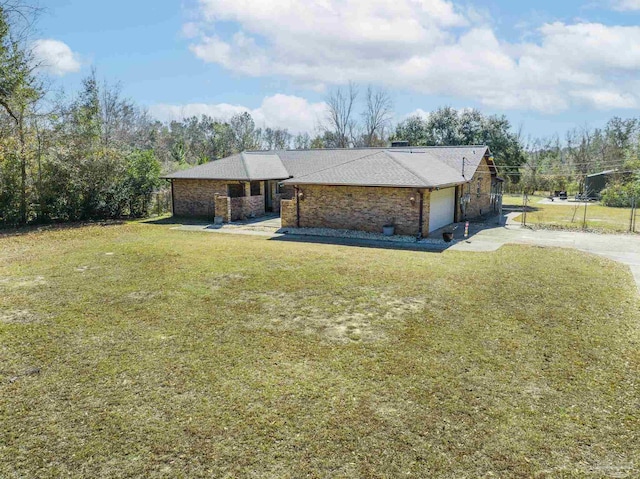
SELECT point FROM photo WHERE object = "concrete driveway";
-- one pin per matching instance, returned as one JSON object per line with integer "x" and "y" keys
{"x": 622, "y": 248}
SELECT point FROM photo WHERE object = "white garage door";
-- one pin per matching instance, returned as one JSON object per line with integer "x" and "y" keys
{"x": 443, "y": 208}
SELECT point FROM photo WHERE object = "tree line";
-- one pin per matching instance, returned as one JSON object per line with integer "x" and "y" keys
{"x": 554, "y": 164}
{"x": 96, "y": 154}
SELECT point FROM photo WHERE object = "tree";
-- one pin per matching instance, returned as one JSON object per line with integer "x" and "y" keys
{"x": 302, "y": 141}
{"x": 276, "y": 139}
{"x": 340, "y": 110}
{"x": 20, "y": 90}
{"x": 143, "y": 178}
{"x": 376, "y": 116}
{"x": 244, "y": 133}
{"x": 448, "y": 127}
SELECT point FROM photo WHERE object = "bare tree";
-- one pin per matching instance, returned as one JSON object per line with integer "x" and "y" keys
{"x": 340, "y": 106}
{"x": 579, "y": 152}
{"x": 376, "y": 116}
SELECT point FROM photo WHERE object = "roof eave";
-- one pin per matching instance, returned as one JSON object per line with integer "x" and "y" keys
{"x": 273, "y": 178}
{"x": 370, "y": 185}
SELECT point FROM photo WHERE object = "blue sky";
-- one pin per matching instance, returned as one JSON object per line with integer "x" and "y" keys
{"x": 548, "y": 66}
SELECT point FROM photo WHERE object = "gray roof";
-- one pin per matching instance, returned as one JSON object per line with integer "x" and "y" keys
{"x": 245, "y": 166}
{"x": 422, "y": 167}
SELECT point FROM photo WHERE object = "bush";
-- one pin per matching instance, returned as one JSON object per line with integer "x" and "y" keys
{"x": 619, "y": 195}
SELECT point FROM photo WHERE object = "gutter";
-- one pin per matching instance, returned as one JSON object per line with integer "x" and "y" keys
{"x": 421, "y": 215}
{"x": 173, "y": 201}
{"x": 297, "y": 191}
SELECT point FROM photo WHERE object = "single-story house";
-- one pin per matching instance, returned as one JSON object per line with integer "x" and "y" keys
{"x": 418, "y": 190}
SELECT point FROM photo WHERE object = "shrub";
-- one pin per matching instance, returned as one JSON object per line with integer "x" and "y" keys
{"x": 619, "y": 195}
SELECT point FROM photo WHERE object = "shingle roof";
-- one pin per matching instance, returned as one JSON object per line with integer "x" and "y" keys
{"x": 244, "y": 166}
{"x": 425, "y": 167}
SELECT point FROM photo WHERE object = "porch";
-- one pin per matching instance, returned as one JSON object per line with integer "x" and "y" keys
{"x": 247, "y": 200}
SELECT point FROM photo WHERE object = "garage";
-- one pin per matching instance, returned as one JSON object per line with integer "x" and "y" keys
{"x": 443, "y": 208}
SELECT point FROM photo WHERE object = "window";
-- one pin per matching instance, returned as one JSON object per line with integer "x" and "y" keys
{"x": 278, "y": 186}
{"x": 479, "y": 186}
{"x": 235, "y": 190}
{"x": 255, "y": 188}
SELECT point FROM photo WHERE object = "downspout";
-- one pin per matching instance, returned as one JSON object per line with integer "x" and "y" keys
{"x": 297, "y": 192}
{"x": 421, "y": 215}
{"x": 173, "y": 200}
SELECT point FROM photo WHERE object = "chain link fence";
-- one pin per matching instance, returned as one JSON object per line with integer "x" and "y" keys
{"x": 561, "y": 211}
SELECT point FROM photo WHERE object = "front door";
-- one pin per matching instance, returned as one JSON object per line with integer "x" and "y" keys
{"x": 268, "y": 197}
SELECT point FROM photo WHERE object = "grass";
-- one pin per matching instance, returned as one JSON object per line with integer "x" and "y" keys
{"x": 599, "y": 218}
{"x": 139, "y": 351}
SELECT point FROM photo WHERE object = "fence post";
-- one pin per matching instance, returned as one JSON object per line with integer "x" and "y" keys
{"x": 586, "y": 203}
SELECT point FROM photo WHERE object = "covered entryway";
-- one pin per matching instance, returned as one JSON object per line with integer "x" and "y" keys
{"x": 443, "y": 208}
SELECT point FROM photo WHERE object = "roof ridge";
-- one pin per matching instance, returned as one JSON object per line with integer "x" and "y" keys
{"x": 378, "y": 148}
{"x": 410, "y": 170}
{"x": 244, "y": 164}
{"x": 339, "y": 164}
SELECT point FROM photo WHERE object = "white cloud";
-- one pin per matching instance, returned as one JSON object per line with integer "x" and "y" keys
{"x": 282, "y": 111}
{"x": 55, "y": 57}
{"x": 626, "y": 5}
{"x": 429, "y": 46}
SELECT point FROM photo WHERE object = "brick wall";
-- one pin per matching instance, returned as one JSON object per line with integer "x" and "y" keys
{"x": 247, "y": 207}
{"x": 287, "y": 192}
{"x": 426, "y": 209}
{"x": 355, "y": 208}
{"x": 196, "y": 197}
{"x": 276, "y": 202}
{"x": 288, "y": 213}
{"x": 223, "y": 208}
{"x": 480, "y": 204}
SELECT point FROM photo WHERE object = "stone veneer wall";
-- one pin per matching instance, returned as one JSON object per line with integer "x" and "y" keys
{"x": 356, "y": 208}
{"x": 196, "y": 197}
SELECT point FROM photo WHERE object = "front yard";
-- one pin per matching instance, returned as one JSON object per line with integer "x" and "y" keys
{"x": 140, "y": 351}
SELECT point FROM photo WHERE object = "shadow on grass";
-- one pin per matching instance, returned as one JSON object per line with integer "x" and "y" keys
{"x": 518, "y": 209}
{"x": 8, "y": 231}
{"x": 176, "y": 220}
{"x": 362, "y": 243}
{"x": 475, "y": 227}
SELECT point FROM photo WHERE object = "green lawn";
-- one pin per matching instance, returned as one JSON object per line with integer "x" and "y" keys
{"x": 599, "y": 218}
{"x": 163, "y": 353}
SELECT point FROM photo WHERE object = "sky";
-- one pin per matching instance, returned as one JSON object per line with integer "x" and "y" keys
{"x": 549, "y": 66}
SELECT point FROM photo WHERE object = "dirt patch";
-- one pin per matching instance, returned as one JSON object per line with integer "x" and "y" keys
{"x": 140, "y": 296}
{"x": 223, "y": 280}
{"x": 368, "y": 318}
{"x": 19, "y": 316}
